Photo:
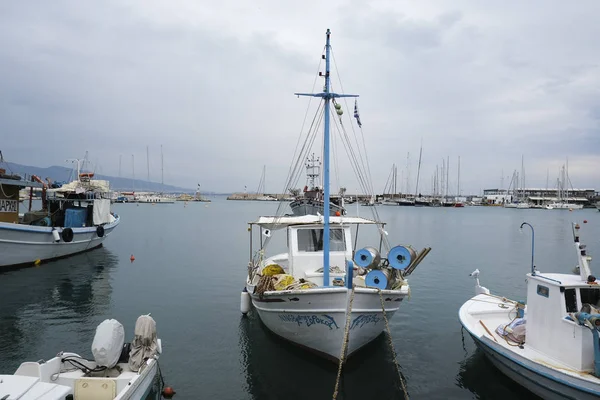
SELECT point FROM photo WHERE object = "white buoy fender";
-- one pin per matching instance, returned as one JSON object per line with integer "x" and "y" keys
{"x": 245, "y": 302}
{"x": 55, "y": 235}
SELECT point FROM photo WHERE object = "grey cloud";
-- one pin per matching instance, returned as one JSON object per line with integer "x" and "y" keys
{"x": 485, "y": 81}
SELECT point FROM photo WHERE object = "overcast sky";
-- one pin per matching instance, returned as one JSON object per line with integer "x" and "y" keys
{"x": 213, "y": 82}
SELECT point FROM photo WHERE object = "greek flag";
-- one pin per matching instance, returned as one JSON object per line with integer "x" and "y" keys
{"x": 356, "y": 114}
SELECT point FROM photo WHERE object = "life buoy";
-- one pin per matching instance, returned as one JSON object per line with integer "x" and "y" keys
{"x": 100, "y": 231}
{"x": 67, "y": 235}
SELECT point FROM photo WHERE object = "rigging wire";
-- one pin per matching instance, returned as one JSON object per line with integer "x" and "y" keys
{"x": 306, "y": 113}
{"x": 368, "y": 168}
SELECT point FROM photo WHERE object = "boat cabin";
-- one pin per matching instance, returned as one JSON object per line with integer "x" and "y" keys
{"x": 9, "y": 196}
{"x": 304, "y": 258}
{"x": 305, "y": 245}
{"x": 550, "y": 300}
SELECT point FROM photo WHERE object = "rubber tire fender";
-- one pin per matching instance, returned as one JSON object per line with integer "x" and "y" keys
{"x": 67, "y": 235}
{"x": 100, "y": 231}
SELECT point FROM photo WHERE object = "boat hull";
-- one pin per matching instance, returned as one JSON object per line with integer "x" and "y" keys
{"x": 142, "y": 385}
{"x": 315, "y": 318}
{"x": 541, "y": 383}
{"x": 564, "y": 206}
{"x": 313, "y": 207}
{"x": 24, "y": 244}
{"x": 539, "y": 374}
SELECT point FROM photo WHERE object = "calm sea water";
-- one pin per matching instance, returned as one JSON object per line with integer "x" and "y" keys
{"x": 189, "y": 269}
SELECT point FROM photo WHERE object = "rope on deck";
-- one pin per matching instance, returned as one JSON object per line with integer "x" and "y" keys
{"x": 391, "y": 343}
{"x": 344, "y": 345}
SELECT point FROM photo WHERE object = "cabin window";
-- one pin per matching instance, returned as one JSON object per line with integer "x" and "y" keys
{"x": 590, "y": 296}
{"x": 543, "y": 290}
{"x": 312, "y": 240}
{"x": 571, "y": 300}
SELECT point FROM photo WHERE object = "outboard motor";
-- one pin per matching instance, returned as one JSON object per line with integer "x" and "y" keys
{"x": 108, "y": 343}
{"x": 145, "y": 344}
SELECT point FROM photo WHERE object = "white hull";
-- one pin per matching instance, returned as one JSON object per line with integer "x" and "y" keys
{"x": 316, "y": 318}
{"x": 536, "y": 378}
{"x": 564, "y": 206}
{"x": 43, "y": 382}
{"x": 24, "y": 244}
{"x": 153, "y": 200}
{"x": 528, "y": 367}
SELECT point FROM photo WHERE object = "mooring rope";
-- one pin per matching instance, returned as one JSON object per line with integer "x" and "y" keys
{"x": 391, "y": 343}
{"x": 265, "y": 284}
{"x": 344, "y": 345}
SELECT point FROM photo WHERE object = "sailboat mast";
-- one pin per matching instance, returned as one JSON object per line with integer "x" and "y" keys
{"x": 133, "y": 173}
{"x": 327, "y": 100}
{"x": 458, "y": 185}
{"x": 148, "y": 163}
{"x": 162, "y": 171}
{"x": 395, "y": 181}
{"x": 327, "y": 97}
{"x": 448, "y": 176}
{"x": 419, "y": 169}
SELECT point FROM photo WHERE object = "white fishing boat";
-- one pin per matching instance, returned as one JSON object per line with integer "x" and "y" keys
{"x": 119, "y": 370}
{"x": 322, "y": 293}
{"x": 74, "y": 218}
{"x": 311, "y": 201}
{"x": 551, "y": 345}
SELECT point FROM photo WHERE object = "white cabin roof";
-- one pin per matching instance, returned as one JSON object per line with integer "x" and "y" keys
{"x": 567, "y": 280}
{"x": 285, "y": 221}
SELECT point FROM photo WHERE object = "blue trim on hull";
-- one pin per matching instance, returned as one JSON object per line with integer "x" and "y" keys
{"x": 48, "y": 229}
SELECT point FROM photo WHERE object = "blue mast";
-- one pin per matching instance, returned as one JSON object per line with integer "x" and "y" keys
{"x": 327, "y": 96}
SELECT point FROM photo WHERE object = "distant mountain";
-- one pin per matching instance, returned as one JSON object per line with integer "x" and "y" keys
{"x": 67, "y": 174}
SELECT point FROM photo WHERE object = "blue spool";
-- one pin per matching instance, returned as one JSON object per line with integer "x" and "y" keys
{"x": 363, "y": 258}
{"x": 400, "y": 257}
{"x": 376, "y": 278}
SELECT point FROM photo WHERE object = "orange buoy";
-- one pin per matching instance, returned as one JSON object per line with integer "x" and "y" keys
{"x": 337, "y": 214}
{"x": 132, "y": 258}
{"x": 37, "y": 262}
{"x": 168, "y": 392}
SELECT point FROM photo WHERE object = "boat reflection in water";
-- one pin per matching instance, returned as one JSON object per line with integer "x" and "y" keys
{"x": 276, "y": 370}
{"x": 53, "y": 307}
{"x": 481, "y": 378}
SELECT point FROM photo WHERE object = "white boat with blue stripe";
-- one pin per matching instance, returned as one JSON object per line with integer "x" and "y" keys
{"x": 550, "y": 346}
{"x": 323, "y": 293}
{"x": 74, "y": 218}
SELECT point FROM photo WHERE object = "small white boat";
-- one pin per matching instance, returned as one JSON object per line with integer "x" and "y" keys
{"x": 322, "y": 293}
{"x": 119, "y": 370}
{"x": 74, "y": 218}
{"x": 551, "y": 345}
{"x": 563, "y": 206}
{"x": 154, "y": 198}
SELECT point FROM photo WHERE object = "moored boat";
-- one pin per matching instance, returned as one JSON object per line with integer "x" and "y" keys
{"x": 310, "y": 201}
{"x": 322, "y": 293}
{"x": 551, "y": 345}
{"x": 74, "y": 218}
{"x": 119, "y": 370}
